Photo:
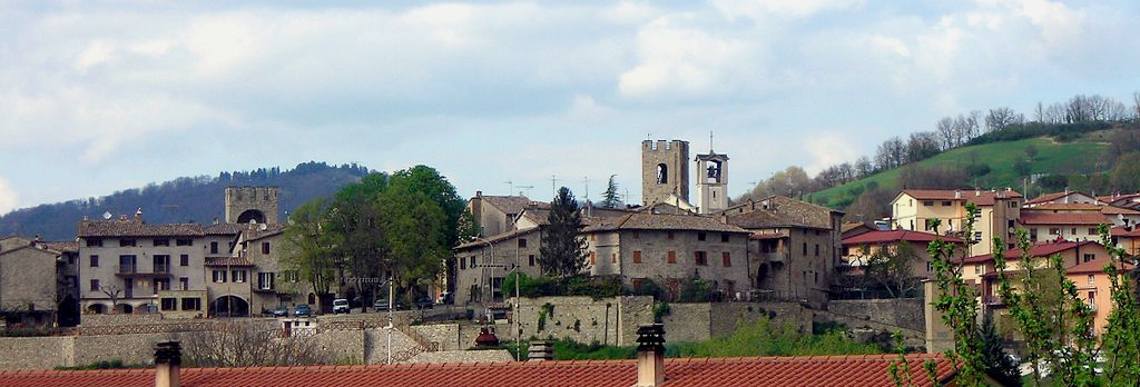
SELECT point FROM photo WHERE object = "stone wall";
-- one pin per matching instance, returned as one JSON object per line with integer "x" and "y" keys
{"x": 35, "y": 352}
{"x": 343, "y": 346}
{"x": 446, "y": 335}
{"x": 905, "y": 313}
{"x": 581, "y": 319}
{"x": 687, "y": 322}
{"x": 119, "y": 319}
{"x": 703, "y": 321}
{"x": 130, "y": 349}
{"x": 481, "y": 356}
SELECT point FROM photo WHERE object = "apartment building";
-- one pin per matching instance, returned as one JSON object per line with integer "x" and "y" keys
{"x": 999, "y": 210}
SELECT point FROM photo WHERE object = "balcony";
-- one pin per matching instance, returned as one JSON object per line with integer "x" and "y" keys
{"x": 133, "y": 271}
{"x": 161, "y": 268}
{"x": 993, "y": 300}
{"x": 126, "y": 269}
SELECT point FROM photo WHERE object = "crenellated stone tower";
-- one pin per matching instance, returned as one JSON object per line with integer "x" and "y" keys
{"x": 258, "y": 204}
{"x": 664, "y": 171}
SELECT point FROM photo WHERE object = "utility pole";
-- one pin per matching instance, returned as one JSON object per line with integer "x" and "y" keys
{"x": 511, "y": 187}
{"x": 553, "y": 186}
{"x": 586, "y": 182}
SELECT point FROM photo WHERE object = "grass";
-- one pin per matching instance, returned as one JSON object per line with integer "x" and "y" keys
{"x": 759, "y": 339}
{"x": 1052, "y": 157}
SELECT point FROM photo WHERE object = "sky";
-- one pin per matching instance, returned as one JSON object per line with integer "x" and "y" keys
{"x": 99, "y": 96}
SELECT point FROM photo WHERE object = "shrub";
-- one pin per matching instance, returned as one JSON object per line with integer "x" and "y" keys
{"x": 660, "y": 310}
{"x": 977, "y": 169}
{"x": 696, "y": 290}
{"x": 648, "y": 288}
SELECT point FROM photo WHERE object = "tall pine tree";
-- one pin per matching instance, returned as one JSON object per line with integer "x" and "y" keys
{"x": 611, "y": 198}
{"x": 562, "y": 252}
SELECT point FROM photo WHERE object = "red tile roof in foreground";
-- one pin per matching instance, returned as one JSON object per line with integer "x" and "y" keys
{"x": 862, "y": 370}
{"x": 893, "y": 236}
{"x": 1040, "y": 250}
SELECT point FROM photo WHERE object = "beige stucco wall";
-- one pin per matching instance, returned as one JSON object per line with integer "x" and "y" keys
{"x": 506, "y": 252}
{"x": 144, "y": 251}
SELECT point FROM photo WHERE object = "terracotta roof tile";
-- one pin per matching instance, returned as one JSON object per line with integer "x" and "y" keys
{"x": 979, "y": 197}
{"x": 1033, "y": 217}
{"x": 136, "y": 228}
{"x": 224, "y": 229}
{"x": 779, "y": 211}
{"x": 63, "y": 246}
{"x": 1049, "y": 197}
{"x": 892, "y": 236}
{"x": 1040, "y": 250}
{"x": 1097, "y": 266}
{"x": 868, "y": 370}
{"x": 651, "y": 221}
{"x": 508, "y": 204}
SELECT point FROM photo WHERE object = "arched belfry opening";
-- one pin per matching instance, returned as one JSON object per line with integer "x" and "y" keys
{"x": 662, "y": 174}
{"x": 256, "y": 216}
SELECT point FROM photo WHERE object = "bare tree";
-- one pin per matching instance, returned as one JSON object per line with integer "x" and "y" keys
{"x": 921, "y": 146}
{"x": 1136, "y": 105}
{"x": 863, "y": 167}
{"x": 1056, "y": 113}
{"x": 1078, "y": 109}
{"x": 249, "y": 344}
{"x": 1003, "y": 117}
{"x": 945, "y": 130}
{"x": 1039, "y": 113}
{"x": 113, "y": 292}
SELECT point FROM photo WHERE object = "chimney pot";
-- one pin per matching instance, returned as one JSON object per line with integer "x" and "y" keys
{"x": 167, "y": 364}
{"x": 650, "y": 355}
{"x": 540, "y": 351}
{"x": 478, "y": 194}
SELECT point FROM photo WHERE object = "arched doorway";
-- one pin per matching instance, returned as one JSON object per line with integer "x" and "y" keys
{"x": 96, "y": 309}
{"x": 229, "y": 306}
{"x": 312, "y": 299}
{"x": 248, "y": 215}
{"x": 124, "y": 309}
{"x": 68, "y": 311}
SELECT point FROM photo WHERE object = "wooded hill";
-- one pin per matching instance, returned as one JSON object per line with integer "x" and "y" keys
{"x": 186, "y": 199}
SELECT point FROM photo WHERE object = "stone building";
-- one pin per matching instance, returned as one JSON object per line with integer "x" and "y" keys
{"x": 665, "y": 172}
{"x": 185, "y": 270}
{"x": 496, "y": 214}
{"x": 712, "y": 186}
{"x": 794, "y": 247}
{"x": 668, "y": 248}
{"x": 37, "y": 284}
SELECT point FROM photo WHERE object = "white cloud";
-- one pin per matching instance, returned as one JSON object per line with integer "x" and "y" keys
{"x": 762, "y": 9}
{"x": 8, "y": 198}
{"x": 828, "y": 149}
{"x": 677, "y": 61}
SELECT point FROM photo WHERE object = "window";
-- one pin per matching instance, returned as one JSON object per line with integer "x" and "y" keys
{"x": 1013, "y": 204}
{"x": 265, "y": 281}
{"x": 726, "y": 259}
{"x": 928, "y": 203}
{"x": 191, "y": 304}
{"x": 1010, "y": 223}
{"x": 1089, "y": 257}
{"x": 161, "y": 242}
{"x": 817, "y": 249}
{"x": 522, "y": 243}
{"x": 593, "y": 257}
{"x": 238, "y": 276}
{"x": 816, "y": 277}
{"x": 929, "y": 266}
{"x": 213, "y": 247}
{"x": 946, "y": 203}
{"x": 662, "y": 174}
{"x": 613, "y": 258}
{"x": 219, "y": 276}
{"x": 669, "y": 235}
{"x": 474, "y": 261}
{"x": 977, "y": 269}
{"x": 94, "y": 261}
{"x": 183, "y": 260}
{"x": 701, "y": 236}
{"x": 94, "y": 242}
{"x": 531, "y": 258}
{"x": 169, "y": 303}
{"x": 1092, "y": 280}
{"x": 161, "y": 284}
{"x": 672, "y": 257}
{"x": 637, "y": 256}
{"x": 805, "y": 248}
{"x": 1033, "y": 234}
{"x": 702, "y": 258}
{"x": 184, "y": 242}
{"x": 816, "y": 232}
{"x": 1092, "y": 231}
{"x": 127, "y": 243}
{"x": 94, "y": 285}
{"x": 1073, "y": 231}
{"x": 265, "y": 248}
{"x": 183, "y": 283}
{"x": 161, "y": 263}
{"x": 724, "y": 236}
{"x": 462, "y": 263}
{"x": 977, "y": 236}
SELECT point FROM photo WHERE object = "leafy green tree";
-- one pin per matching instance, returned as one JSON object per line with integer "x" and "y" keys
{"x": 417, "y": 232}
{"x": 1121, "y": 340}
{"x": 562, "y": 249}
{"x": 957, "y": 301}
{"x": 892, "y": 268}
{"x": 355, "y": 215}
{"x": 310, "y": 245}
{"x": 611, "y": 198}
{"x": 435, "y": 187}
{"x": 1126, "y": 175}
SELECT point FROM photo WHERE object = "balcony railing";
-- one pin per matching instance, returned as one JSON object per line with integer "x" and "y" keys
{"x": 127, "y": 269}
{"x": 161, "y": 268}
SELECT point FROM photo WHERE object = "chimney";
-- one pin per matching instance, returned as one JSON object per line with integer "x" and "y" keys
{"x": 167, "y": 362}
{"x": 478, "y": 194}
{"x": 540, "y": 351}
{"x": 650, "y": 355}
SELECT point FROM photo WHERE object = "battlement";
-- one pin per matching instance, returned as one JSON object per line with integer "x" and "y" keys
{"x": 664, "y": 145}
{"x": 257, "y": 204}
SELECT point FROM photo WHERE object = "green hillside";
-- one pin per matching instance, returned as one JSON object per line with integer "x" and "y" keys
{"x": 1078, "y": 156}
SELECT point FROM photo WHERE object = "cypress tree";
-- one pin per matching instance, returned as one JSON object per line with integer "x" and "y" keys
{"x": 562, "y": 252}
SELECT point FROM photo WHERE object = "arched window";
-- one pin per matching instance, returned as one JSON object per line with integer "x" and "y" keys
{"x": 662, "y": 174}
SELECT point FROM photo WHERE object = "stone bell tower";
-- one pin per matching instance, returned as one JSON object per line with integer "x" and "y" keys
{"x": 245, "y": 204}
{"x": 712, "y": 186}
{"x": 664, "y": 171}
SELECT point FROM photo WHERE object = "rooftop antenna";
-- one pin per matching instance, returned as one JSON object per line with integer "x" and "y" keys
{"x": 524, "y": 188}
{"x": 553, "y": 185}
{"x": 586, "y": 182}
{"x": 711, "y": 142}
{"x": 511, "y": 186}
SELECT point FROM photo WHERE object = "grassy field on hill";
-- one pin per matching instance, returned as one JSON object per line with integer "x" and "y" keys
{"x": 1077, "y": 156}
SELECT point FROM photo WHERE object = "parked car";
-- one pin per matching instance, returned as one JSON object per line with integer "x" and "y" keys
{"x": 424, "y": 303}
{"x": 280, "y": 311}
{"x": 445, "y": 298}
{"x": 382, "y": 304}
{"x": 302, "y": 310}
{"x": 340, "y": 305}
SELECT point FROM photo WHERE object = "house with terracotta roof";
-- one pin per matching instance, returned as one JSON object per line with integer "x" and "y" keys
{"x": 794, "y": 247}
{"x": 1127, "y": 238}
{"x": 497, "y": 214}
{"x": 1094, "y": 286}
{"x": 980, "y": 270}
{"x": 1064, "y": 197}
{"x": 858, "y": 249}
{"x": 917, "y": 210}
{"x": 1073, "y": 221}
{"x": 649, "y": 369}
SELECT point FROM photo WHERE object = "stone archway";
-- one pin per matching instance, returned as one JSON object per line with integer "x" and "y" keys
{"x": 251, "y": 215}
{"x": 229, "y": 306}
{"x": 96, "y": 309}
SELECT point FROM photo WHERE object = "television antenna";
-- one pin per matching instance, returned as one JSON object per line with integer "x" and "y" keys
{"x": 523, "y": 188}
